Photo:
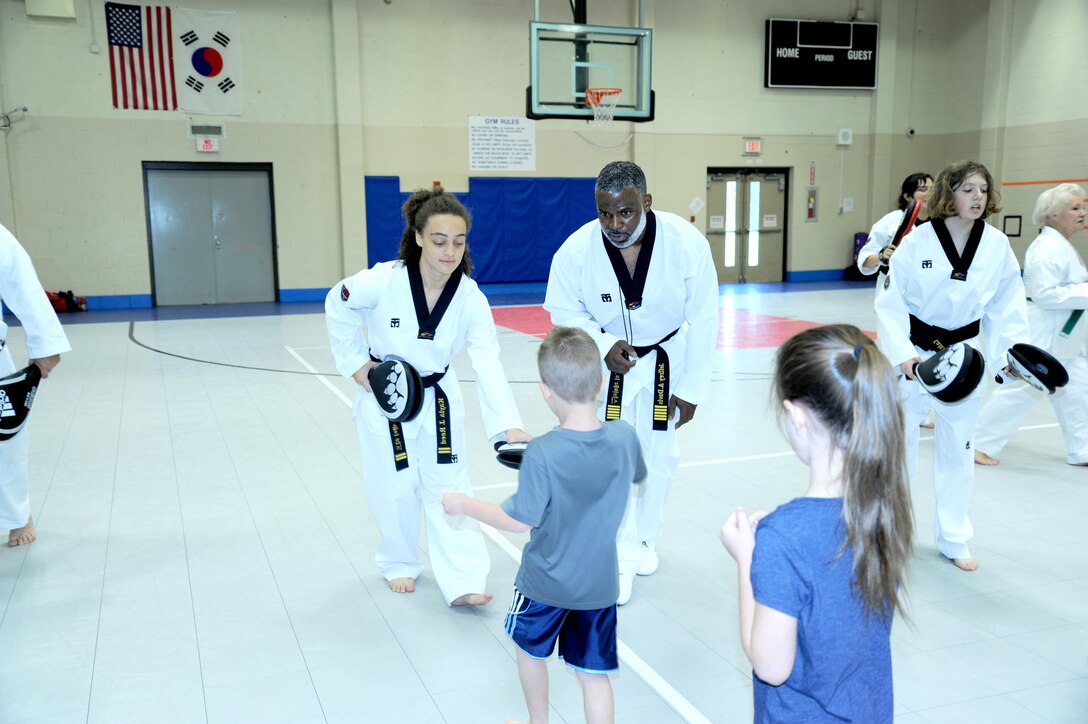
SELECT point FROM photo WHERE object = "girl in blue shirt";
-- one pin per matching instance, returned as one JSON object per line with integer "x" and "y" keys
{"x": 820, "y": 577}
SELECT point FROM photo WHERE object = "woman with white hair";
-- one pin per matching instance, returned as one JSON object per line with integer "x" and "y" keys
{"x": 1056, "y": 280}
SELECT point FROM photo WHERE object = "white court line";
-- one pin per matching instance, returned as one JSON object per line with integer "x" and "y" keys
{"x": 634, "y": 662}
{"x": 322, "y": 380}
{"x": 494, "y": 487}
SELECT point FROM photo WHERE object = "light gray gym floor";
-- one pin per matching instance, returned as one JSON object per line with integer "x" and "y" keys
{"x": 205, "y": 551}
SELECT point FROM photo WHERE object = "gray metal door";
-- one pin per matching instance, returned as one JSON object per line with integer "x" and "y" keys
{"x": 211, "y": 236}
{"x": 746, "y": 224}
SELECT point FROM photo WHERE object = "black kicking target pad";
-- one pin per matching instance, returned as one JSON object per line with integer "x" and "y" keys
{"x": 1039, "y": 368}
{"x": 952, "y": 374}
{"x": 17, "y": 392}
{"x": 397, "y": 388}
{"x": 510, "y": 453}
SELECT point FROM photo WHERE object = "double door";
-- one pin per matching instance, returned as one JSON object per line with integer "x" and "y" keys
{"x": 746, "y": 224}
{"x": 211, "y": 232}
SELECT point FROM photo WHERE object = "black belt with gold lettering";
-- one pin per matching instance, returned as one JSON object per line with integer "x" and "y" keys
{"x": 935, "y": 339}
{"x": 661, "y": 385}
{"x": 443, "y": 431}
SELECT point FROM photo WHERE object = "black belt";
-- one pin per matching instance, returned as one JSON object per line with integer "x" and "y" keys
{"x": 444, "y": 448}
{"x": 884, "y": 269}
{"x": 934, "y": 339}
{"x": 661, "y": 385}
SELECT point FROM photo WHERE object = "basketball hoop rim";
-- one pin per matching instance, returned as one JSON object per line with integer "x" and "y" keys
{"x": 594, "y": 96}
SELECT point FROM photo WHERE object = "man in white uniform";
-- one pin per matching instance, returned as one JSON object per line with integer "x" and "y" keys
{"x": 1057, "y": 286}
{"x": 23, "y": 295}
{"x": 642, "y": 284}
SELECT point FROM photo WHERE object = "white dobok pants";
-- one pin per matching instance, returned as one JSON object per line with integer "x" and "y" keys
{"x": 646, "y": 504}
{"x": 14, "y": 457}
{"x": 953, "y": 460}
{"x": 1010, "y": 404}
{"x": 459, "y": 559}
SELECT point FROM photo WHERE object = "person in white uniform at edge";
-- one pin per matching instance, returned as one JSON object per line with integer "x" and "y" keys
{"x": 1056, "y": 281}
{"x": 956, "y": 277}
{"x": 23, "y": 295}
{"x": 642, "y": 284}
{"x": 423, "y": 308}
{"x": 874, "y": 256}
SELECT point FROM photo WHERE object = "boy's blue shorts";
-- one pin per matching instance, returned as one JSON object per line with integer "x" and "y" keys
{"x": 587, "y": 639}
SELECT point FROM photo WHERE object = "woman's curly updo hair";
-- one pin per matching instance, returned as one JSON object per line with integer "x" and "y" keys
{"x": 417, "y": 211}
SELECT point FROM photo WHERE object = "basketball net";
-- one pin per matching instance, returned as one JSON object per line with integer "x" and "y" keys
{"x": 603, "y": 102}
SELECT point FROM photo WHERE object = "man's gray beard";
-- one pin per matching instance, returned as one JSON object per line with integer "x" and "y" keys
{"x": 633, "y": 238}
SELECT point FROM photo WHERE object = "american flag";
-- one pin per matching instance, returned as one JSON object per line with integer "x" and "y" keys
{"x": 141, "y": 57}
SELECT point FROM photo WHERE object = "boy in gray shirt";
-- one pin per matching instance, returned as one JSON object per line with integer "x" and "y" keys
{"x": 572, "y": 490}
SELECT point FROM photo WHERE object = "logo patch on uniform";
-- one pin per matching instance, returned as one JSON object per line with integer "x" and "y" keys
{"x": 606, "y": 297}
{"x": 394, "y": 322}
{"x": 927, "y": 263}
{"x": 968, "y": 445}
{"x": 887, "y": 280}
{"x": 344, "y": 293}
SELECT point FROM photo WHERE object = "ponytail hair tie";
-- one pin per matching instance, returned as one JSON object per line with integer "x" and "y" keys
{"x": 857, "y": 351}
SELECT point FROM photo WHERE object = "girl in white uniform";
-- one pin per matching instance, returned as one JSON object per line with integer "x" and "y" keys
{"x": 22, "y": 293}
{"x": 957, "y": 276}
{"x": 423, "y": 308}
{"x": 1057, "y": 287}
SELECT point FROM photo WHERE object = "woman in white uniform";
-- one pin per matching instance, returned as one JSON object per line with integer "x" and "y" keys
{"x": 873, "y": 258}
{"x": 1057, "y": 286}
{"x": 22, "y": 293}
{"x": 423, "y": 308}
{"x": 957, "y": 278}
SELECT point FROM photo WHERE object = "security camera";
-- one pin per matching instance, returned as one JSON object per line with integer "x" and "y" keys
{"x": 910, "y": 132}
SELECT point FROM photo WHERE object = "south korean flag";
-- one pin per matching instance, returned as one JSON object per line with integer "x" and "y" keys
{"x": 207, "y": 61}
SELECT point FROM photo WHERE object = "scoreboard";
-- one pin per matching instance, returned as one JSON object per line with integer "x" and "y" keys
{"x": 819, "y": 54}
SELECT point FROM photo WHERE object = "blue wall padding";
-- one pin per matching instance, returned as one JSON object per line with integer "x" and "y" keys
{"x": 517, "y": 223}
{"x": 383, "y": 223}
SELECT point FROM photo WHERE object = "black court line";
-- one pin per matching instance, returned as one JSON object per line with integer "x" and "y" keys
{"x": 132, "y": 337}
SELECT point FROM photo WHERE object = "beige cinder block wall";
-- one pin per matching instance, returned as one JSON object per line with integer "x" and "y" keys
{"x": 339, "y": 89}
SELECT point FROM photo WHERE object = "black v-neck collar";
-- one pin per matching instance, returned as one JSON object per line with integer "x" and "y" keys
{"x": 632, "y": 287}
{"x": 960, "y": 264}
{"x": 429, "y": 320}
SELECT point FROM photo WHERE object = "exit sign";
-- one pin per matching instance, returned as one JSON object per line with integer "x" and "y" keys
{"x": 753, "y": 146}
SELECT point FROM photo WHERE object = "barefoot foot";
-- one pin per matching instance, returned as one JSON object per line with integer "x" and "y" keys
{"x": 23, "y": 536}
{"x": 928, "y": 425}
{"x": 472, "y": 599}
{"x": 965, "y": 564}
{"x": 982, "y": 458}
{"x": 402, "y": 585}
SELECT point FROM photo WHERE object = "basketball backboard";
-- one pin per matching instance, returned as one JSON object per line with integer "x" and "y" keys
{"x": 565, "y": 59}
